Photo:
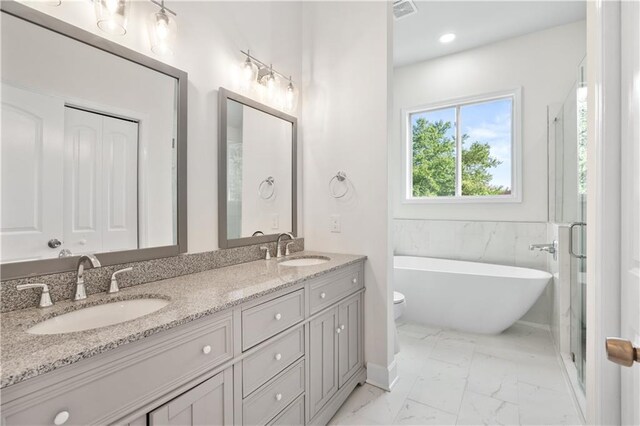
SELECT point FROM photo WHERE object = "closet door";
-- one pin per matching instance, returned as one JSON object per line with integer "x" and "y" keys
{"x": 31, "y": 139}
{"x": 100, "y": 186}
{"x": 210, "y": 403}
{"x": 120, "y": 184}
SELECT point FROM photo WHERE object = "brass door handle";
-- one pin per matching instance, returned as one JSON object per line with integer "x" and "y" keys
{"x": 622, "y": 351}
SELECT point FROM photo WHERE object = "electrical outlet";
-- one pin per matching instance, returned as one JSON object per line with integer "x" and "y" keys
{"x": 334, "y": 223}
{"x": 275, "y": 219}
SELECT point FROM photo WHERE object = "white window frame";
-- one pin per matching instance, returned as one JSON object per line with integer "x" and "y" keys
{"x": 516, "y": 150}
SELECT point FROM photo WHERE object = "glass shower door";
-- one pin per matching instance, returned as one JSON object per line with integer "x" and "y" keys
{"x": 570, "y": 135}
{"x": 577, "y": 235}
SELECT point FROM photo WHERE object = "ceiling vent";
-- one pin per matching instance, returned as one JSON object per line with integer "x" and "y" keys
{"x": 404, "y": 8}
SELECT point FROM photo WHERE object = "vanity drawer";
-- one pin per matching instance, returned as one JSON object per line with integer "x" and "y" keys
{"x": 272, "y": 398}
{"x": 292, "y": 415}
{"x": 119, "y": 384}
{"x": 270, "y": 318}
{"x": 327, "y": 291}
{"x": 258, "y": 368}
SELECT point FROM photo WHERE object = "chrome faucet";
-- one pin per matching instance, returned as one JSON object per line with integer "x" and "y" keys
{"x": 549, "y": 248}
{"x": 278, "y": 248}
{"x": 81, "y": 292}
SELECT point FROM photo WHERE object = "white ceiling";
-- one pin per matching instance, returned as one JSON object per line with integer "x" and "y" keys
{"x": 475, "y": 23}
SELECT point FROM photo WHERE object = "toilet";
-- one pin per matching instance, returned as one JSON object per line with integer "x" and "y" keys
{"x": 399, "y": 304}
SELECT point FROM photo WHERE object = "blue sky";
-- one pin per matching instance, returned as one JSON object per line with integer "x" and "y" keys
{"x": 487, "y": 122}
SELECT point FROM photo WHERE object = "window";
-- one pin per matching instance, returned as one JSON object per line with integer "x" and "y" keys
{"x": 464, "y": 150}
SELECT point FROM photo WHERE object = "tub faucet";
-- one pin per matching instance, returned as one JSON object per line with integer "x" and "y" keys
{"x": 549, "y": 248}
{"x": 278, "y": 248}
{"x": 81, "y": 292}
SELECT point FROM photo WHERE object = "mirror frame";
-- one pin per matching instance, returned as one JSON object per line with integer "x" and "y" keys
{"x": 56, "y": 265}
{"x": 223, "y": 241}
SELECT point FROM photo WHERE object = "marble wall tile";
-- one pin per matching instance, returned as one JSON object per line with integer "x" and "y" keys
{"x": 62, "y": 285}
{"x": 503, "y": 243}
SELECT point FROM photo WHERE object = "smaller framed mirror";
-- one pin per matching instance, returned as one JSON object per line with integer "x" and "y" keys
{"x": 257, "y": 175}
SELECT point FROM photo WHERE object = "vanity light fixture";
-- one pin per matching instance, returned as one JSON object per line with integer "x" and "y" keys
{"x": 447, "y": 38}
{"x": 112, "y": 15}
{"x": 283, "y": 97}
{"x": 162, "y": 30}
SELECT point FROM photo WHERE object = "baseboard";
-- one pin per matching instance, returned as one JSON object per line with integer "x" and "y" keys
{"x": 535, "y": 325}
{"x": 382, "y": 377}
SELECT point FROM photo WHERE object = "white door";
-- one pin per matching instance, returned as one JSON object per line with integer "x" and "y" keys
{"x": 32, "y": 150}
{"x": 630, "y": 196}
{"x": 100, "y": 185}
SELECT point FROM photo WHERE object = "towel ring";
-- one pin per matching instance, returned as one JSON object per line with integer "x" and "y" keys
{"x": 339, "y": 177}
{"x": 270, "y": 181}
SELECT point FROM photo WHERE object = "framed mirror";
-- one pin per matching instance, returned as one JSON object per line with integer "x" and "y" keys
{"x": 257, "y": 182}
{"x": 93, "y": 145}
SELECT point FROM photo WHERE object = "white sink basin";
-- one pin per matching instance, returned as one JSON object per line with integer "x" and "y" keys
{"x": 98, "y": 316}
{"x": 305, "y": 261}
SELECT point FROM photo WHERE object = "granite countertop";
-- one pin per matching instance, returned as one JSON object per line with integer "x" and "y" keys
{"x": 193, "y": 296}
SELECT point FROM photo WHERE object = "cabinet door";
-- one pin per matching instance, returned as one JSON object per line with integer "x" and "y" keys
{"x": 350, "y": 353}
{"x": 323, "y": 361}
{"x": 209, "y": 403}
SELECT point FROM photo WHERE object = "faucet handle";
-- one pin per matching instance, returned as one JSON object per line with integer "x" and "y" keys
{"x": 45, "y": 297}
{"x": 113, "y": 288}
{"x": 287, "y": 251}
{"x": 267, "y": 255}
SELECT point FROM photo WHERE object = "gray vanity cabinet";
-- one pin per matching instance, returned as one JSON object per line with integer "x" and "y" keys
{"x": 350, "y": 350}
{"x": 209, "y": 403}
{"x": 323, "y": 359}
{"x": 292, "y": 356}
{"x": 335, "y": 350}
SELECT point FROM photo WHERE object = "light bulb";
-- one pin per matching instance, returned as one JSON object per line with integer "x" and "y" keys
{"x": 112, "y": 6}
{"x": 271, "y": 81}
{"x": 162, "y": 26}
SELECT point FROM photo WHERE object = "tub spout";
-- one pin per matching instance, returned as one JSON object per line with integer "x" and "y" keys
{"x": 549, "y": 248}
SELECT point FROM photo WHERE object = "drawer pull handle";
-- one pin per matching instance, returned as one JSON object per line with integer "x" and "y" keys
{"x": 278, "y": 396}
{"x": 342, "y": 327}
{"x": 278, "y": 357}
{"x": 61, "y": 418}
{"x": 338, "y": 330}
{"x": 278, "y": 317}
{"x": 206, "y": 350}
{"x": 323, "y": 295}
{"x": 355, "y": 280}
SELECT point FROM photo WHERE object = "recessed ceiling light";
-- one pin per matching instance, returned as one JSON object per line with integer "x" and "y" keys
{"x": 447, "y": 38}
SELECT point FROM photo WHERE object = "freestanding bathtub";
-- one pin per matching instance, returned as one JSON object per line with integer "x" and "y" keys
{"x": 466, "y": 296}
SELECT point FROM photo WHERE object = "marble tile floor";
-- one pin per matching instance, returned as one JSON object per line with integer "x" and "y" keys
{"x": 453, "y": 378}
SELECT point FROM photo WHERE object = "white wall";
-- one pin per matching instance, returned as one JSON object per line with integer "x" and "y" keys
{"x": 210, "y": 36}
{"x": 345, "y": 74}
{"x": 544, "y": 64}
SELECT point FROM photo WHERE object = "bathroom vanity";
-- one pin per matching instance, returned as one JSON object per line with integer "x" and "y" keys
{"x": 254, "y": 343}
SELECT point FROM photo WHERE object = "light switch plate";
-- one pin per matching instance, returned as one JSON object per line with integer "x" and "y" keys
{"x": 334, "y": 223}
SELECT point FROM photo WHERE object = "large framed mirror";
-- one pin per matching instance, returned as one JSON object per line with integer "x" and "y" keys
{"x": 257, "y": 180}
{"x": 93, "y": 145}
